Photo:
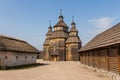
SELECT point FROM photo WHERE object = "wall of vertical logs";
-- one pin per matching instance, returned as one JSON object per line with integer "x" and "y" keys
{"x": 105, "y": 58}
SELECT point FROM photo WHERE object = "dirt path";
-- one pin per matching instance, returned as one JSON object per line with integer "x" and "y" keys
{"x": 53, "y": 71}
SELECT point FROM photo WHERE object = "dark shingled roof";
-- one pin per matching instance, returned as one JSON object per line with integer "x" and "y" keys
{"x": 49, "y": 30}
{"x": 106, "y": 38}
{"x": 61, "y": 23}
{"x": 12, "y": 44}
{"x": 49, "y": 33}
{"x": 73, "y": 28}
{"x": 73, "y": 39}
{"x": 46, "y": 42}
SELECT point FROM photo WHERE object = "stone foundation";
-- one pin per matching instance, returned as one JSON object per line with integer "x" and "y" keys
{"x": 112, "y": 75}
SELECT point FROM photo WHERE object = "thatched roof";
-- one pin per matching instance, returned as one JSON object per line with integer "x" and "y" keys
{"x": 12, "y": 44}
{"x": 59, "y": 34}
{"x": 61, "y": 23}
{"x": 106, "y": 38}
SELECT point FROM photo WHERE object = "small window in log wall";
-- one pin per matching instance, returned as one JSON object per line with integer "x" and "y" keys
{"x": 25, "y": 57}
{"x": 6, "y": 57}
{"x": 16, "y": 57}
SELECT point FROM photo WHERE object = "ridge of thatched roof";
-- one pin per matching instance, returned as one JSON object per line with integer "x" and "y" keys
{"x": 106, "y": 38}
{"x": 12, "y": 44}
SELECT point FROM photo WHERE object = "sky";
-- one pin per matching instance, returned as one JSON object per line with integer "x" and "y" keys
{"x": 28, "y": 20}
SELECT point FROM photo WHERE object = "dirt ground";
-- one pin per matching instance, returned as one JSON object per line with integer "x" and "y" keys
{"x": 53, "y": 71}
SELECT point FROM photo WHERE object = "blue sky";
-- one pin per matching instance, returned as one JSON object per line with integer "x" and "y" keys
{"x": 29, "y": 19}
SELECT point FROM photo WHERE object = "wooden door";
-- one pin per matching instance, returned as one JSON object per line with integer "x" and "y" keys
{"x": 55, "y": 59}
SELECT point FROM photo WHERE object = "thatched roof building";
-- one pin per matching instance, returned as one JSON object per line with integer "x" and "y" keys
{"x": 12, "y": 44}
{"x": 15, "y": 52}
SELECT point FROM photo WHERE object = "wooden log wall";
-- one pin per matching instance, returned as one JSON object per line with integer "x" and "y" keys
{"x": 106, "y": 58}
{"x": 83, "y": 59}
{"x": 103, "y": 59}
{"x": 113, "y": 60}
{"x": 87, "y": 59}
{"x": 96, "y": 59}
{"x": 91, "y": 58}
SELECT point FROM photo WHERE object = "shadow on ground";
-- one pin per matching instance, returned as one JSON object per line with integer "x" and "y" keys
{"x": 26, "y": 66}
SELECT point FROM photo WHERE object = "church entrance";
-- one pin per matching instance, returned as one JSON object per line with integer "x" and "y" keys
{"x": 54, "y": 57}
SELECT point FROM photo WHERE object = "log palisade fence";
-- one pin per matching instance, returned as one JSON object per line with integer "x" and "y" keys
{"x": 103, "y": 51}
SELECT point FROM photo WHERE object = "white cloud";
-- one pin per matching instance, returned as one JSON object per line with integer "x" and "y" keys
{"x": 101, "y": 24}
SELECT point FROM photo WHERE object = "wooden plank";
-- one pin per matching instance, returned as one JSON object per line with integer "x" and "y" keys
{"x": 103, "y": 59}
{"x": 91, "y": 58}
{"x": 113, "y": 60}
{"x": 96, "y": 58}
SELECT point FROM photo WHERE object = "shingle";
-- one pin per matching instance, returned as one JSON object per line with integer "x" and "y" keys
{"x": 61, "y": 23}
{"x": 73, "y": 40}
{"x": 106, "y": 38}
{"x": 59, "y": 34}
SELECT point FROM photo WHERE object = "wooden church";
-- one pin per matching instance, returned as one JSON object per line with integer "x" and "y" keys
{"x": 61, "y": 44}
